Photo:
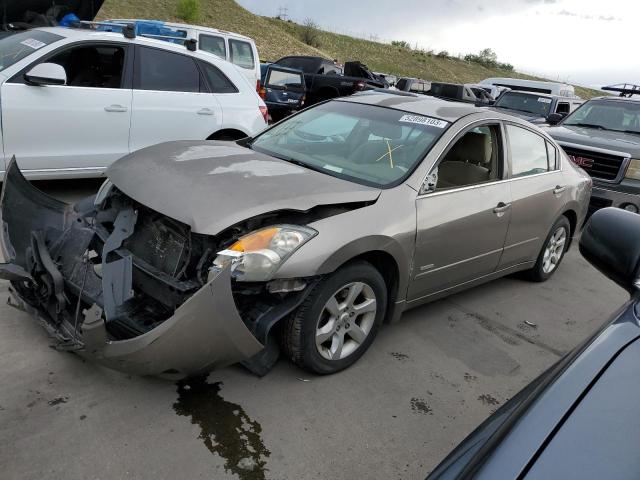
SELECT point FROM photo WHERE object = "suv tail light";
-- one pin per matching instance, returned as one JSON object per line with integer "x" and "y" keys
{"x": 258, "y": 85}
{"x": 262, "y": 92}
{"x": 359, "y": 86}
{"x": 265, "y": 113}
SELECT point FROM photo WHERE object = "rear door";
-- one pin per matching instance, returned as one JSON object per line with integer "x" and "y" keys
{"x": 171, "y": 99}
{"x": 78, "y": 128}
{"x": 539, "y": 194}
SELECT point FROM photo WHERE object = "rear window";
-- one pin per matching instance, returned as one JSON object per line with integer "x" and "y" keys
{"x": 165, "y": 71}
{"x": 20, "y": 45}
{"x": 280, "y": 78}
{"x": 241, "y": 54}
{"x": 218, "y": 81}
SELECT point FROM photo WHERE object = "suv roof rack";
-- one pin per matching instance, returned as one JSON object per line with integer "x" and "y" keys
{"x": 625, "y": 90}
{"x": 147, "y": 29}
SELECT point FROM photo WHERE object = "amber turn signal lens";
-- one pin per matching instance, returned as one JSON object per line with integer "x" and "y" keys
{"x": 255, "y": 241}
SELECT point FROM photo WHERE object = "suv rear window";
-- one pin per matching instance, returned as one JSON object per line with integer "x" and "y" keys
{"x": 218, "y": 81}
{"x": 20, "y": 45}
{"x": 165, "y": 71}
{"x": 241, "y": 54}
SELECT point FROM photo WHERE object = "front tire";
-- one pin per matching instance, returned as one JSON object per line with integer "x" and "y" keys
{"x": 338, "y": 321}
{"x": 553, "y": 251}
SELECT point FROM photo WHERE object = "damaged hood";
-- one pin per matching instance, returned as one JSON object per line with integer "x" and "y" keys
{"x": 211, "y": 186}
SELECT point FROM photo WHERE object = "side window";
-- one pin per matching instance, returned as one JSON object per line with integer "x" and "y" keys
{"x": 92, "y": 66}
{"x": 552, "y": 154}
{"x": 528, "y": 152}
{"x": 241, "y": 54}
{"x": 165, "y": 71}
{"x": 218, "y": 81}
{"x": 474, "y": 158}
{"x": 562, "y": 107}
{"x": 213, "y": 44}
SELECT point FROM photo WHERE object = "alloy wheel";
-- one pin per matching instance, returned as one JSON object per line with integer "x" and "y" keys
{"x": 554, "y": 251}
{"x": 346, "y": 321}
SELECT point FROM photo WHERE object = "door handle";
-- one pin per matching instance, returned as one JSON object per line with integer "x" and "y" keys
{"x": 559, "y": 189}
{"x": 206, "y": 111}
{"x": 501, "y": 208}
{"x": 115, "y": 108}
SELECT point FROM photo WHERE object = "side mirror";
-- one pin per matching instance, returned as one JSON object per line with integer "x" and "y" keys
{"x": 46, "y": 74}
{"x": 554, "y": 118}
{"x": 611, "y": 242}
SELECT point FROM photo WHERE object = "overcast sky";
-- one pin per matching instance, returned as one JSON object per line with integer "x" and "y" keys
{"x": 589, "y": 42}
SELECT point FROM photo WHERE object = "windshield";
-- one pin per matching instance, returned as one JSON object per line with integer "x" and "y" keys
{"x": 617, "y": 115}
{"x": 534, "y": 104}
{"x": 20, "y": 45}
{"x": 363, "y": 143}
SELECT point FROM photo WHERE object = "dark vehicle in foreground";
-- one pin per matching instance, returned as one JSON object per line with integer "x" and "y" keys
{"x": 579, "y": 419}
{"x": 195, "y": 255}
{"x": 538, "y": 108}
{"x": 325, "y": 80}
{"x": 603, "y": 138}
{"x": 282, "y": 89}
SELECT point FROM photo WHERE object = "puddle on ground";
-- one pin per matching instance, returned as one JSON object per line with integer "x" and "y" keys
{"x": 224, "y": 427}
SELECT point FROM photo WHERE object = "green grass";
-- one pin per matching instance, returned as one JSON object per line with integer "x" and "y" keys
{"x": 276, "y": 38}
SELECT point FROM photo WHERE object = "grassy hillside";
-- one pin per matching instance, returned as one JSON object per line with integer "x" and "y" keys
{"x": 276, "y": 38}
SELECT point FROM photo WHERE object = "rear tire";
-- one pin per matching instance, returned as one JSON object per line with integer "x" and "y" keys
{"x": 338, "y": 321}
{"x": 552, "y": 253}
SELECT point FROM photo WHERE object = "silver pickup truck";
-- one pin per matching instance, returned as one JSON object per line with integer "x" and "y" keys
{"x": 603, "y": 137}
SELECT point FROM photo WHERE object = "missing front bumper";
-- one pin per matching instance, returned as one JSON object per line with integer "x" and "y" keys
{"x": 45, "y": 246}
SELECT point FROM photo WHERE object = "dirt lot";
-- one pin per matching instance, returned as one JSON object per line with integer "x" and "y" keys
{"x": 424, "y": 385}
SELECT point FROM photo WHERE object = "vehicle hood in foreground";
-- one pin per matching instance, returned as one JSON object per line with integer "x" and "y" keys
{"x": 591, "y": 137}
{"x": 211, "y": 186}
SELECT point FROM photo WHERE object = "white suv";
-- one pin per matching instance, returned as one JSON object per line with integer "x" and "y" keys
{"x": 75, "y": 100}
{"x": 233, "y": 47}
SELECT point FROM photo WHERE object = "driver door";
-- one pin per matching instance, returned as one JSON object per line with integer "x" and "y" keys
{"x": 79, "y": 128}
{"x": 462, "y": 222}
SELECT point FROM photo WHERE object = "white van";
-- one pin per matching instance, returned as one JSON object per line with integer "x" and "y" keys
{"x": 536, "y": 86}
{"x": 233, "y": 47}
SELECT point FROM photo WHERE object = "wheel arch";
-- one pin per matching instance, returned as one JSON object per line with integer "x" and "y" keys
{"x": 227, "y": 134}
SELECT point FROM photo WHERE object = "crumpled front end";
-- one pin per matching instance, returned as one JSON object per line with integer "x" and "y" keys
{"x": 120, "y": 284}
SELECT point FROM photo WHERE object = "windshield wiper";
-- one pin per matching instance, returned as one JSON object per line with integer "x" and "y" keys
{"x": 587, "y": 125}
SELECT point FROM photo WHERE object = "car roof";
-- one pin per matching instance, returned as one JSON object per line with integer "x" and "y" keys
{"x": 86, "y": 34}
{"x": 618, "y": 99}
{"x": 450, "y": 111}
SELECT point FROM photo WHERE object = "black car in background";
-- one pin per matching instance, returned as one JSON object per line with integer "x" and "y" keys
{"x": 324, "y": 79}
{"x": 579, "y": 419}
{"x": 282, "y": 89}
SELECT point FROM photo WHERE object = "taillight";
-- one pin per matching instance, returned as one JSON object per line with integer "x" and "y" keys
{"x": 265, "y": 113}
{"x": 258, "y": 85}
{"x": 359, "y": 86}
{"x": 263, "y": 93}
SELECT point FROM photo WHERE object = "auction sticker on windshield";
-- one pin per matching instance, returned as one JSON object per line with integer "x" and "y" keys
{"x": 33, "y": 43}
{"x": 544, "y": 100}
{"x": 420, "y": 120}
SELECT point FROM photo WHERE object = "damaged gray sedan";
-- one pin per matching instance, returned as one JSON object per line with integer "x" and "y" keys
{"x": 304, "y": 239}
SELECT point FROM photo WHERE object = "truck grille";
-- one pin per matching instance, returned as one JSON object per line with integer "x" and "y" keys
{"x": 596, "y": 164}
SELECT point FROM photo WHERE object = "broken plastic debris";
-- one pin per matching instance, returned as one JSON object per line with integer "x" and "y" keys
{"x": 531, "y": 324}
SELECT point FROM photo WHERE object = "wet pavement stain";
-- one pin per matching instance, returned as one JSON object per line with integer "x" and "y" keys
{"x": 224, "y": 427}
{"x": 58, "y": 401}
{"x": 419, "y": 405}
{"x": 488, "y": 399}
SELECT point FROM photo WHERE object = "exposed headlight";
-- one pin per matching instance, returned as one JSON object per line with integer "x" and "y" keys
{"x": 257, "y": 256}
{"x": 633, "y": 170}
